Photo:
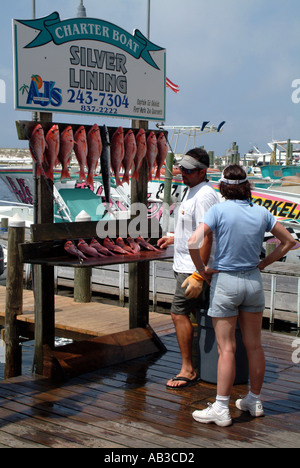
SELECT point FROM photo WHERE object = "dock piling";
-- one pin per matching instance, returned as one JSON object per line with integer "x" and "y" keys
{"x": 14, "y": 298}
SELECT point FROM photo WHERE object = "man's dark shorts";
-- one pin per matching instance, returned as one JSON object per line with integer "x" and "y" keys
{"x": 183, "y": 306}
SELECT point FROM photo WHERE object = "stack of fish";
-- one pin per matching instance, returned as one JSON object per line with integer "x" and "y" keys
{"x": 126, "y": 151}
{"x": 109, "y": 247}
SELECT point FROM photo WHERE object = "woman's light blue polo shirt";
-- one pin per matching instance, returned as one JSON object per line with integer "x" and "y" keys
{"x": 240, "y": 229}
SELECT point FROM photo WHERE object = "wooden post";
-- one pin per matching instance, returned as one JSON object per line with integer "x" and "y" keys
{"x": 4, "y": 223}
{"x": 139, "y": 273}
{"x": 14, "y": 298}
{"x": 44, "y": 275}
{"x": 83, "y": 276}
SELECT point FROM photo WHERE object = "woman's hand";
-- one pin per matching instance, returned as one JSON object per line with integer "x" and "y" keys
{"x": 207, "y": 274}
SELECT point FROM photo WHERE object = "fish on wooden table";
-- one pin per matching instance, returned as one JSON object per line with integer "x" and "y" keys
{"x": 65, "y": 150}
{"x": 152, "y": 152}
{"x": 37, "y": 146}
{"x": 117, "y": 153}
{"x": 110, "y": 245}
{"x": 52, "y": 150}
{"x": 105, "y": 163}
{"x": 145, "y": 244}
{"x": 129, "y": 155}
{"x": 87, "y": 250}
{"x": 163, "y": 149}
{"x": 141, "y": 150}
{"x": 121, "y": 243}
{"x": 94, "y": 152}
{"x": 81, "y": 150}
{"x": 101, "y": 249}
{"x": 134, "y": 245}
{"x": 71, "y": 249}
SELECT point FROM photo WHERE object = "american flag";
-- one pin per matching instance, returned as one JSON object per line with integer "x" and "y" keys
{"x": 172, "y": 86}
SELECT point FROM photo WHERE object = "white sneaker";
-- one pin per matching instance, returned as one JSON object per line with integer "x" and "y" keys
{"x": 209, "y": 415}
{"x": 255, "y": 408}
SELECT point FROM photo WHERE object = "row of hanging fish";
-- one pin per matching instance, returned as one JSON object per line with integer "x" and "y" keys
{"x": 127, "y": 151}
{"x": 108, "y": 248}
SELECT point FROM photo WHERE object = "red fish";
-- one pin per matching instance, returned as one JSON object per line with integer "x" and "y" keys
{"x": 134, "y": 245}
{"x": 143, "y": 243}
{"x": 37, "y": 146}
{"x": 130, "y": 152}
{"x": 120, "y": 242}
{"x": 52, "y": 150}
{"x": 96, "y": 245}
{"x": 72, "y": 250}
{"x": 81, "y": 150}
{"x": 90, "y": 251}
{"x": 110, "y": 245}
{"x": 140, "y": 152}
{"x": 65, "y": 150}
{"x": 151, "y": 154}
{"x": 162, "y": 153}
{"x": 117, "y": 153}
{"x": 94, "y": 152}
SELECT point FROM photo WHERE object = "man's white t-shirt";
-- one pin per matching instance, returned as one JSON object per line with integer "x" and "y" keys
{"x": 191, "y": 212}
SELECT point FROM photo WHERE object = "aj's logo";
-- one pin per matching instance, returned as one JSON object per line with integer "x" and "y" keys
{"x": 50, "y": 95}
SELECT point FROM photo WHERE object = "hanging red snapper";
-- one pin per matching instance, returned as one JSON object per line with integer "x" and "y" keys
{"x": 94, "y": 152}
{"x": 81, "y": 150}
{"x": 130, "y": 152}
{"x": 152, "y": 152}
{"x": 141, "y": 150}
{"x": 52, "y": 150}
{"x": 37, "y": 146}
{"x": 117, "y": 153}
{"x": 65, "y": 150}
{"x": 162, "y": 153}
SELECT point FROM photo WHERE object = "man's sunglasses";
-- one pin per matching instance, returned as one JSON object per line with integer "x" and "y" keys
{"x": 187, "y": 171}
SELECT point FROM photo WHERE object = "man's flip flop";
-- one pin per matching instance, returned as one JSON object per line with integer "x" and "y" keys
{"x": 188, "y": 382}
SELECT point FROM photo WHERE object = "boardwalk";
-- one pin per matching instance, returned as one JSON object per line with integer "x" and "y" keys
{"x": 128, "y": 406}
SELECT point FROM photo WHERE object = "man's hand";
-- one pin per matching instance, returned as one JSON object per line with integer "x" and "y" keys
{"x": 193, "y": 285}
{"x": 164, "y": 242}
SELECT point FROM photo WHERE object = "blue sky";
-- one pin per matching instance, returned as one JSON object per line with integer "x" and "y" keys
{"x": 234, "y": 60}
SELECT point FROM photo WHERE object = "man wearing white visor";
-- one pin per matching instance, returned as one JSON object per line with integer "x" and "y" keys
{"x": 192, "y": 292}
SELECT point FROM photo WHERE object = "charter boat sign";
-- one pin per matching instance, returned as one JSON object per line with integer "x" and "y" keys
{"x": 87, "y": 66}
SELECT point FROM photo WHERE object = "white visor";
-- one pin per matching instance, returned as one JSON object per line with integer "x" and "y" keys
{"x": 233, "y": 182}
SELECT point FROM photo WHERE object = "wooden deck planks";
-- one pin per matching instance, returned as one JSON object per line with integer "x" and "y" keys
{"x": 128, "y": 406}
{"x": 95, "y": 319}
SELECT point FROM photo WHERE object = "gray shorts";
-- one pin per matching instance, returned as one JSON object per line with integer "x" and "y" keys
{"x": 183, "y": 306}
{"x": 232, "y": 292}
